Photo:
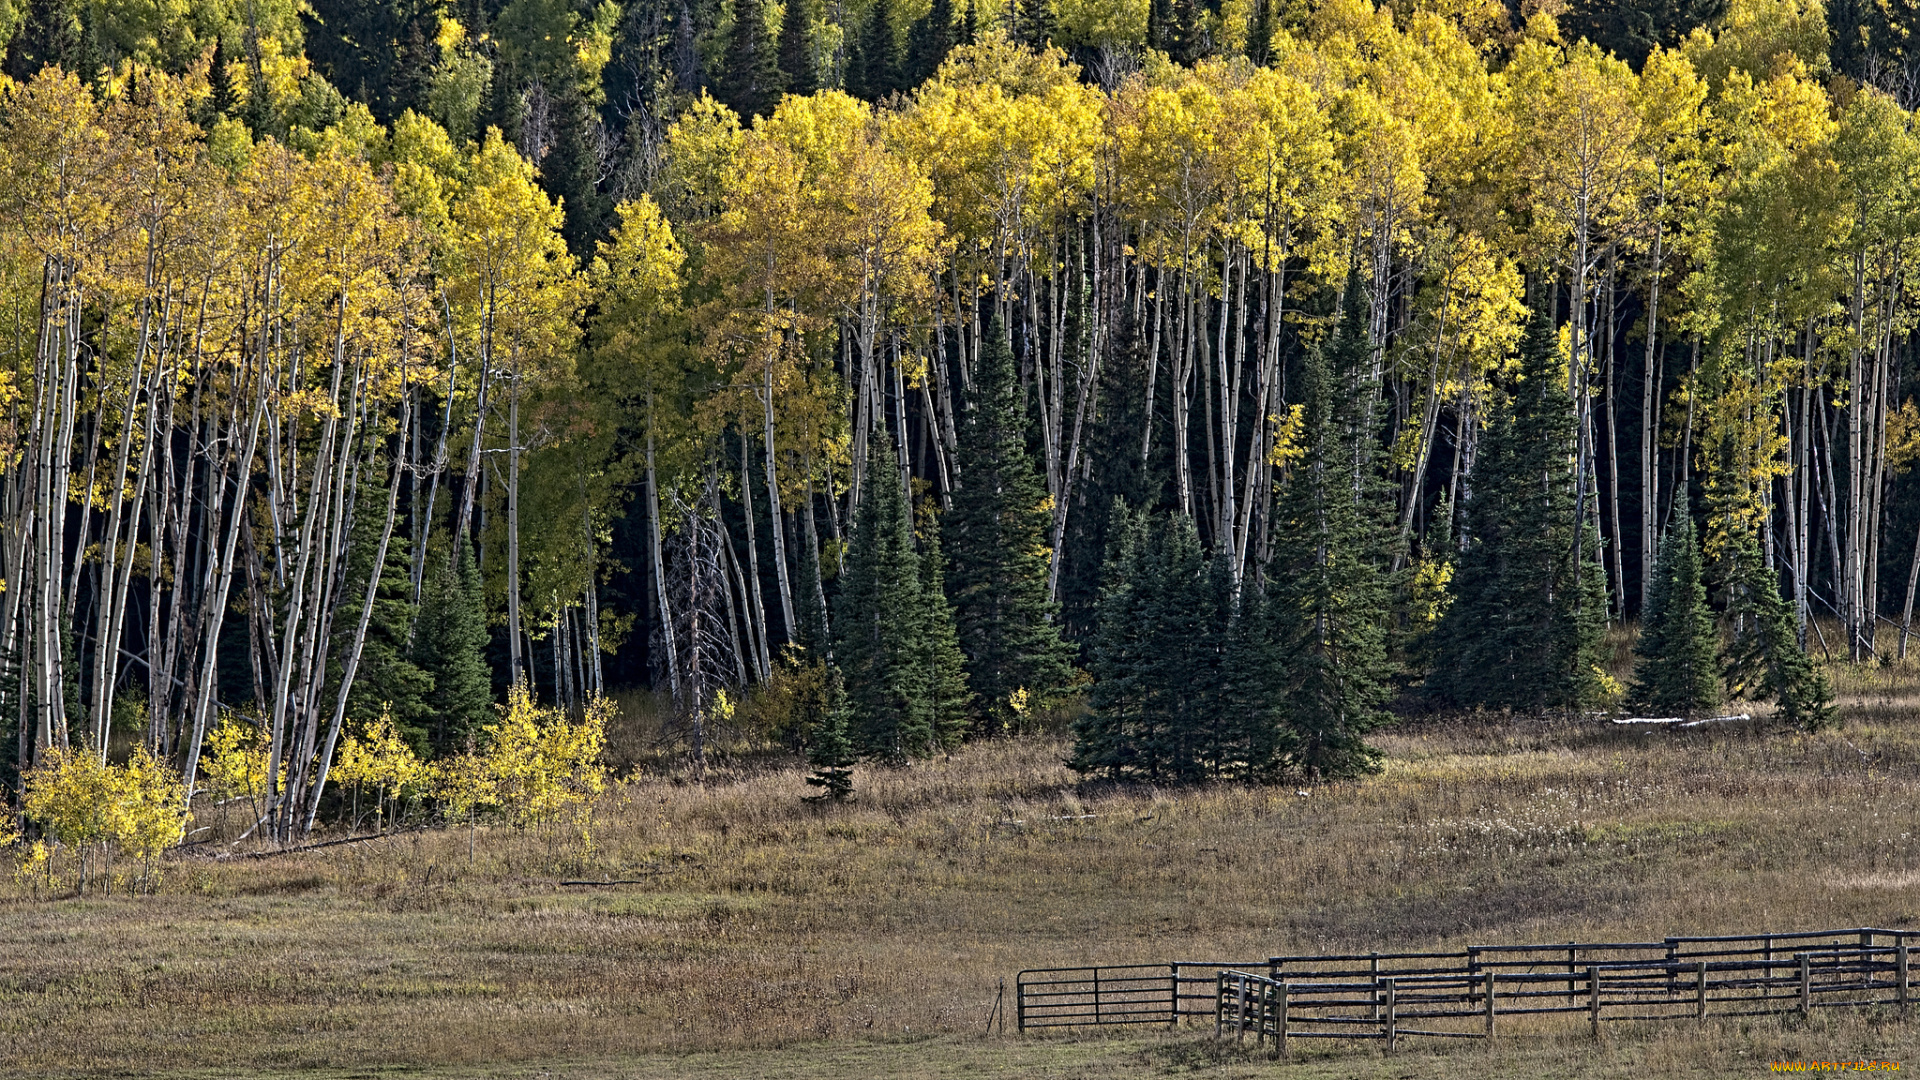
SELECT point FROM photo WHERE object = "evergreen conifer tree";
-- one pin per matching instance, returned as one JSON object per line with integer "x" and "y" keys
{"x": 831, "y": 752}
{"x": 1036, "y": 27}
{"x": 929, "y": 41}
{"x": 50, "y": 32}
{"x": 1676, "y": 666}
{"x": 874, "y": 72}
{"x": 1523, "y": 630}
{"x": 1766, "y": 659}
{"x": 1156, "y": 704}
{"x": 947, "y": 700}
{"x": 1105, "y": 737}
{"x": 1327, "y": 593}
{"x": 750, "y": 77}
{"x": 998, "y": 533}
{"x": 450, "y": 644}
{"x": 878, "y": 622}
{"x": 387, "y": 677}
{"x": 796, "y": 49}
{"x": 811, "y": 631}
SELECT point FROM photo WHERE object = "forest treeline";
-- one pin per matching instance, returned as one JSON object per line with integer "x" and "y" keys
{"x": 1230, "y": 374}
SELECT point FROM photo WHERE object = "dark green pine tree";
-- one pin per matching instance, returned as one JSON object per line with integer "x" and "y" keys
{"x": 830, "y": 752}
{"x": 796, "y": 49}
{"x": 1155, "y": 705}
{"x": 1766, "y": 659}
{"x": 1036, "y": 28}
{"x": 948, "y": 702}
{"x": 1257, "y": 743}
{"x": 1120, "y": 481}
{"x": 873, "y": 72}
{"x": 450, "y": 644}
{"x": 1676, "y": 666}
{"x": 1187, "y": 40}
{"x": 387, "y": 677}
{"x": 221, "y": 99}
{"x": 571, "y": 172}
{"x": 50, "y": 34}
{"x": 1327, "y": 593}
{"x": 1523, "y": 631}
{"x": 1261, "y": 26}
{"x": 929, "y": 41}
{"x": 878, "y": 620}
{"x": 1160, "y": 25}
{"x": 810, "y": 607}
{"x": 1107, "y": 737}
{"x": 998, "y": 532}
{"x": 750, "y": 79}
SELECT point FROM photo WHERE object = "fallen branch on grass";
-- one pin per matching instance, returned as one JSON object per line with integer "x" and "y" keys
{"x": 225, "y": 855}
{"x": 1681, "y": 721}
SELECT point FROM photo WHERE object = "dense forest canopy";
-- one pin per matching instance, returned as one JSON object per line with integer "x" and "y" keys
{"x": 905, "y": 370}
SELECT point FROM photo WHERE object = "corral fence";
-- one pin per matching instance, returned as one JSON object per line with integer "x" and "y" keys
{"x": 1464, "y": 994}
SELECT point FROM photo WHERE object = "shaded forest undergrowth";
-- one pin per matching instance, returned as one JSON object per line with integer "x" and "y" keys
{"x": 743, "y": 919}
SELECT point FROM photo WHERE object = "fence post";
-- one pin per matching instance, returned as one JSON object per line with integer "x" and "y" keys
{"x": 1490, "y": 1008}
{"x": 1593, "y": 998}
{"x": 1219, "y": 1002}
{"x": 1392, "y": 1024}
{"x": 1240, "y": 1016}
{"x": 1096, "y": 997}
{"x": 1806, "y": 983}
{"x": 1376, "y": 985}
{"x": 1572, "y": 968}
{"x": 1280, "y": 1025}
{"x": 1900, "y": 966}
{"x": 1173, "y": 1000}
{"x": 1019, "y": 1005}
{"x": 1700, "y": 990}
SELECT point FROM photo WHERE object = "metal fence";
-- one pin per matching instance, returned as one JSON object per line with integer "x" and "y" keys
{"x": 1463, "y": 994}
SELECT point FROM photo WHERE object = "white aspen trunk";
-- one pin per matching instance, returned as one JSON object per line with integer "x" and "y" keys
{"x": 659, "y": 564}
{"x": 350, "y": 665}
{"x": 1649, "y": 420}
{"x": 210, "y": 647}
{"x": 515, "y": 661}
{"x": 757, "y": 614}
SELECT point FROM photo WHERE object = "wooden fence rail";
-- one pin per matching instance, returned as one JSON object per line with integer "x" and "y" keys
{"x": 1463, "y": 994}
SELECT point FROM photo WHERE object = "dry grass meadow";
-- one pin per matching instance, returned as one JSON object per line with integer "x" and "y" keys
{"x": 758, "y": 936}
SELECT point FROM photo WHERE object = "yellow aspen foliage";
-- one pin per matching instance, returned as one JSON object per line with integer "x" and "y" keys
{"x": 379, "y": 758}
{"x": 534, "y": 765}
{"x": 91, "y": 807}
{"x": 234, "y": 763}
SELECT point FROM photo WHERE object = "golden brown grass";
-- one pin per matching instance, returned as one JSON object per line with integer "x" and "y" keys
{"x": 869, "y": 939}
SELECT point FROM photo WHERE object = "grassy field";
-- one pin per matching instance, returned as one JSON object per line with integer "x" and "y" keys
{"x": 760, "y": 936}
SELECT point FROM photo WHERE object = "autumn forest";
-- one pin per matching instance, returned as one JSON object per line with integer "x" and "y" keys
{"x": 387, "y": 385}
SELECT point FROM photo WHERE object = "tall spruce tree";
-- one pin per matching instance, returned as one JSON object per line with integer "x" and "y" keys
{"x": 1523, "y": 631}
{"x": 387, "y": 678}
{"x": 1107, "y": 735}
{"x": 878, "y": 623}
{"x": 929, "y": 40}
{"x": 1327, "y": 593}
{"x": 873, "y": 72}
{"x": 998, "y": 533}
{"x": 810, "y": 607}
{"x": 1766, "y": 660}
{"x": 750, "y": 79}
{"x": 1036, "y": 23}
{"x": 1676, "y": 666}
{"x": 450, "y": 644}
{"x": 796, "y": 49}
{"x": 1156, "y": 709}
{"x": 947, "y": 699}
